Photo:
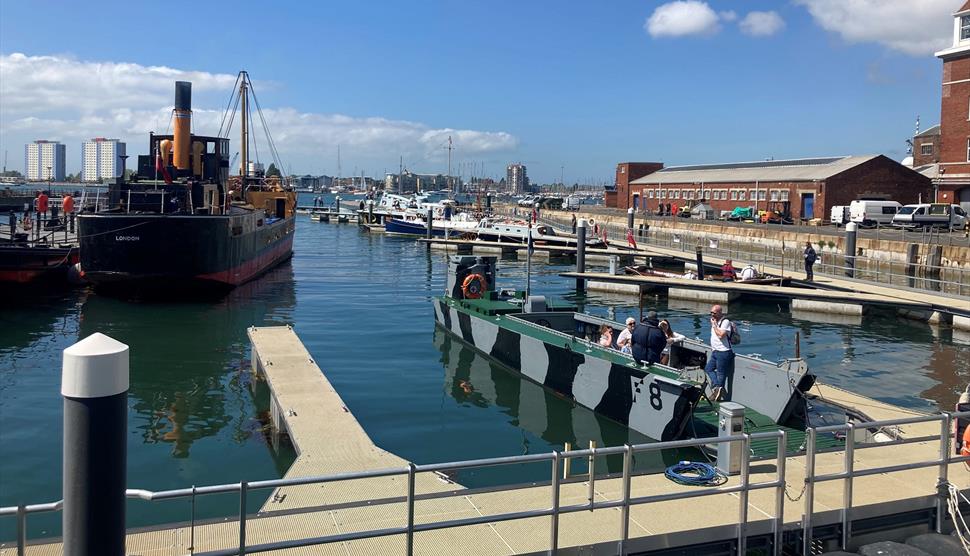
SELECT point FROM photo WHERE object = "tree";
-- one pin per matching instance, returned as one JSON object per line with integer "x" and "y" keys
{"x": 273, "y": 171}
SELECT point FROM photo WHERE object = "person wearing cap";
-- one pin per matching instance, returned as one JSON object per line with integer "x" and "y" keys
{"x": 623, "y": 341}
{"x": 648, "y": 340}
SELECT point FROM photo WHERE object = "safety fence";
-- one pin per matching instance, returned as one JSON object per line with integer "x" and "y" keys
{"x": 742, "y": 486}
{"x": 930, "y": 277}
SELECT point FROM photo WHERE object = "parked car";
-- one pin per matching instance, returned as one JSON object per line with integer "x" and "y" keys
{"x": 931, "y": 215}
{"x": 872, "y": 213}
{"x": 573, "y": 202}
{"x": 840, "y": 215}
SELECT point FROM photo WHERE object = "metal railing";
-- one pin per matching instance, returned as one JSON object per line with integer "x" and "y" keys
{"x": 742, "y": 488}
{"x": 949, "y": 280}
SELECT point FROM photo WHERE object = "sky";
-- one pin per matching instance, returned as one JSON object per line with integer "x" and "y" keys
{"x": 566, "y": 87}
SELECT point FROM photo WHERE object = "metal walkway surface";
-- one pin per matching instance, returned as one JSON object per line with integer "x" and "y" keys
{"x": 330, "y": 441}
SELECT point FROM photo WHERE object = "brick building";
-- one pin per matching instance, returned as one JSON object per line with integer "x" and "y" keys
{"x": 952, "y": 182}
{"x": 926, "y": 147}
{"x": 805, "y": 188}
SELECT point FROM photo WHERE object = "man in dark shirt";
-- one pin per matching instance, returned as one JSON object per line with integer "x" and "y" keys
{"x": 648, "y": 340}
{"x": 810, "y": 257}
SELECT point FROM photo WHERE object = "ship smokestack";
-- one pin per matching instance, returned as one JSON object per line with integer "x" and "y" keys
{"x": 183, "y": 125}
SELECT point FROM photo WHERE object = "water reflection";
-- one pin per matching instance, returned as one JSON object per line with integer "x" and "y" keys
{"x": 189, "y": 364}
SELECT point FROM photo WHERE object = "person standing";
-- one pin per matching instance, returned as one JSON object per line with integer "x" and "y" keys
{"x": 810, "y": 257}
{"x": 574, "y": 223}
{"x": 623, "y": 341}
{"x": 720, "y": 365}
{"x": 648, "y": 340}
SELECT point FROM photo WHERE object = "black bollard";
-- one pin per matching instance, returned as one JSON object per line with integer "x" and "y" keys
{"x": 429, "y": 222}
{"x": 700, "y": 262}
{"x": 850, "y": 236}
{"x": 370, "y": 212}
{"x": 94, "y": 385}
{"x": 629, "y": 218}
{"x": 580, "y": 254}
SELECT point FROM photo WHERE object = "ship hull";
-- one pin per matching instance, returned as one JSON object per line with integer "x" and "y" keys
{"x": 28, "y": 265}
{"x": 650, "y": 404}
{"x": 163, "y": 251}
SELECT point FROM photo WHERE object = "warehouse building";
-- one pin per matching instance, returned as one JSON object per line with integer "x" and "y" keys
{"x": 803, "y": 188}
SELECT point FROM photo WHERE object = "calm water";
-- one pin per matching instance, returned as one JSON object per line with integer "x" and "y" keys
{"x": 360, "y": 303}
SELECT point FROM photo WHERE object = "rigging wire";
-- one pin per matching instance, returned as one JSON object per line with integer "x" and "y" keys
{"x": 235, "y": 89}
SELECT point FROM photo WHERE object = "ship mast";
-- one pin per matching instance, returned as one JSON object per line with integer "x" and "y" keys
{"x": 244, "y": 125}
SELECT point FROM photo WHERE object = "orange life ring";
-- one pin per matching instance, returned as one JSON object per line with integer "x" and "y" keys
{"x": 474, "y": 286}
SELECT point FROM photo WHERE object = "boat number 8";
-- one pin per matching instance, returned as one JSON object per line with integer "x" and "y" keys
{"x": 655, "y": 401}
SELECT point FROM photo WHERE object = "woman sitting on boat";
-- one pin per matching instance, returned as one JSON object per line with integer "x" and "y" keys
{"x": 728, "y": 272}
{"x": 606, "y": 336}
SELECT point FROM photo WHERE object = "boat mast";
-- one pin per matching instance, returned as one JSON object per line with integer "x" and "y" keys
{"x": 244, "y": 105}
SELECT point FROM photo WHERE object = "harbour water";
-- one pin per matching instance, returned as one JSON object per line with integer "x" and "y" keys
{"x": 360, "y": 303}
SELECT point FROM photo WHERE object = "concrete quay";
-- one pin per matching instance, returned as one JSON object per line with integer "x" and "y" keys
{"x": 329, "y": 440}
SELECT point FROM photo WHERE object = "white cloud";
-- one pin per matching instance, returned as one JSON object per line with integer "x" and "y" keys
{"x": 916, "y": 27}
{"x": 761, "y": 24}
{"x": 728, "y": 15}
{"x": 55, "y": 97}
{"x": 682, "y": 18}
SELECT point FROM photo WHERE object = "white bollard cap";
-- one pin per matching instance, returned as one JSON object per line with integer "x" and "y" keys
{"x": 629, "y": 210}
{"x": 851, "y": 227}
{"x": 95, "y": 367}
{"x": 581, "y": 223}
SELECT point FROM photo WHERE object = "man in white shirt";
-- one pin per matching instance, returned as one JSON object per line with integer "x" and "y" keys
{"x": 748, "y": 273}
{"x": 720, "y": 365}
{"x": 623, "y": 341}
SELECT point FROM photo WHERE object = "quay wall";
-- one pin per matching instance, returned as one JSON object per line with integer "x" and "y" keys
{"x": 698, "y": 231}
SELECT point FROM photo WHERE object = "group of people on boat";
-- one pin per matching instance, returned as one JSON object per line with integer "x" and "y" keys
{"x": 651, "y": 340}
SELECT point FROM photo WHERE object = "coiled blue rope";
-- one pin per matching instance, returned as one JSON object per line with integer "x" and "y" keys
{"x": 693, "y": 473}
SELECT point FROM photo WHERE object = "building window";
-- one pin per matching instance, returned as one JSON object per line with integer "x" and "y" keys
{"x": 740, "y": 194}
{"x": 734, "y": 194}
{"x": 675, "y": 194}
{"x": 663, "y": 193}
{"x": 690, "y": 194}
{"x": 926, "y": 149}
{"x": 965, "y": 27}
{"x": 650, "y": 194}
{"x": 783, "y": 195}
{"x": 774, "y": 195}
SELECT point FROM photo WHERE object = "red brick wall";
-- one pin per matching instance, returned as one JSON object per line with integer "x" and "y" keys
{"x": 714, "y": 193}
{"x": 627, "y": 172}
{"x": 880, "y": 178}
{"x": 920, "y": 159}
{"x": 955, "y": 115}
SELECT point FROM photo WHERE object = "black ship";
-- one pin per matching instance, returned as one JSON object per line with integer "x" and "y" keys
{"x": 181, "y": 221}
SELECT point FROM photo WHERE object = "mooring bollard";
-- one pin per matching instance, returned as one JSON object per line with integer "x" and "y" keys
{"x": 850, "y": 235}
{"x": 338, "y": 204}
{"x": 94, "y": 385}
{"x": 429, "y": 222}
{"x": 629, "y": 218}
{"x": 370, "y": 211}
{"x": 700, "y": 262}
{"x": 580, "y": 254}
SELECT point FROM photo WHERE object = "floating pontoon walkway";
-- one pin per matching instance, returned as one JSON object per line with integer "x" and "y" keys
{"x": 330, "y": 440}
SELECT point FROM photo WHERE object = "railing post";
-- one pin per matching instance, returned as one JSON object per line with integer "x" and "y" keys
{"x": 192, "y": 524}
{"x": 94, "y": 385}
{"x": 567, "y": 447}
{"x": 943, "y": 495}
{"x": 778, "y": 525}
{"x": 743, "y": 495}
{"x": 592, "y": 474}
{"x": 625, "y": 508}
{"x": 243, "y": 490}
{"x": 21, "y": 530}
{"x": 554, "y": 525}
{"x": 847, "y": 486}
{"x": 410, "y": 533}
{"x": 809, "y": 490}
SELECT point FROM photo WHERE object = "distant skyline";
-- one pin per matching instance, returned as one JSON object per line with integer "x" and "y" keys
{"x": 559, "y": 86}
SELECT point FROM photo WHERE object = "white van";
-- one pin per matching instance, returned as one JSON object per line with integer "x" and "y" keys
{"x": 931, "y": 215}
{"x": 839, "y": 215}
{"x": 872, "y": 213}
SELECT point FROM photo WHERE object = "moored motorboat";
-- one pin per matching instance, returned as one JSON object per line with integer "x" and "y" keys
{"x": 556, "y": 346}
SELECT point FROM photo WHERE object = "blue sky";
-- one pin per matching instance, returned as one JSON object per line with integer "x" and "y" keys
{"x": 578, "y": 84}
